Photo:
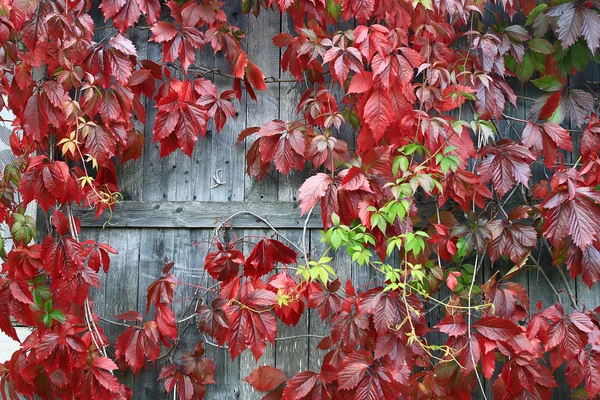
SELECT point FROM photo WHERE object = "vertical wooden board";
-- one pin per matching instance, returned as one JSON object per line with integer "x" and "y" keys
{"x": 163, "y": 178}
{"x": 590, "y": 297}
{"x": 289, "y": 97}
{"x": 226, "y": 155}
{"x": 156, "y": 246}
{"x": 265, "y": 55}
{"x": 182, "y": 301}
{"x": 130, "y": 175}
{"x": 97, "y": 294}
{"x": 227, "y": 371}
{"x": 341, "y": 264}
{"x": 346, "y": 133}
{"x": 121, "y": 287}
{"x": 539, "y": 290}
{"x": 153, "y": 184}
{"x": 291, "y": 355}
{"x": 199, "y": 174}
{"x": 247, "y": 361}
{"x": 522, "y": 278}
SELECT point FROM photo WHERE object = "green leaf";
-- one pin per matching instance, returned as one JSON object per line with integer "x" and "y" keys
{"x": 400, "y": 163}
{"x": 335, "y": 219}
{"x": 525, "y": 69}
{"x": 23, "y": 228}
{"x": 547, "y": 83}
{"x": 334, "y": 9}
{"x": 354, "y": 120}
{"x": 48, "y": 306}
{"x": 577, "y": 56}
{"x": 47, "y": 320}
{"x": 58, "y": 316}
{"x": 538, "y": 61}
{"x": 534, "y": 13}
{"x": 541, "y": 46}
{"x": 336, "y": 239}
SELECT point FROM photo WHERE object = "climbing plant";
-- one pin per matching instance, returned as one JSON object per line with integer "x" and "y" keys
{"x": 428, "y": 87}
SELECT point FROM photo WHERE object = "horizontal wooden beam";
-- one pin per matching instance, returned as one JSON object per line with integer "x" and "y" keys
{"x": 198, "y": 214}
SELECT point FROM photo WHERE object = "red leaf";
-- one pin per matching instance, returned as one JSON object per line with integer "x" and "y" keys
{"x": 35, "y": 118}
{"x": 223, "y": 264}
{"x": 550, "y": 106}
{"x": 20, "y": 291}
{"x": 514, "y": 239}
{"x": 546, "y": 138}
{"x": 266, "y": 378}
{"x": 264, "y": 256}
{"x": 163, "y": 32}
{"x": 101, "y": 371}
{"x": 173, "y": 377}
{"x": 130, "y": 316}
{"x": 361, "y": 82}
{"x": 6, "y": 325}
{"x": 200, "y": 369}
{"x": 505, "y": 164}
{"x": 290, "y": 309}
{"x": 496, "y": 328}
{"x": 452, "y": 325}
{"x": 451, "y": 281}
{"x": 574, "y": 215}
{"x": 161, "y": 290}
{"x": 255, "y": 76}
{"x": 165, "y": 320}
{"x": 354, "y": 368}
{"x": 590, "y": 140}
{"x": 313, "y": 189}
{"x": 299, "y": 385}
{"x": 378, "y": 112}
{"x": 592, "y": 376}
{"x": 586, "y": 263}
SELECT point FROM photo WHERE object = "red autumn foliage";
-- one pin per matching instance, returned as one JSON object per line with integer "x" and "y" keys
{"x": 427, "y": 87}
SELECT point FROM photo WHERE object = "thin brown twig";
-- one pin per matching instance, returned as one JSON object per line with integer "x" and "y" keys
{"x": 541, "y": 271}
{"x": 561, "y": 273}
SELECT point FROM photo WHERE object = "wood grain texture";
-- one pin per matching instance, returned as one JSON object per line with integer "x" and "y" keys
{"x": 263, "y": 53}
{"x": 172, "y": 206}
{"x": 190, "y": 214}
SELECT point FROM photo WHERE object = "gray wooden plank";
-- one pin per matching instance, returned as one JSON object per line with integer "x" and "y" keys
{"x": 341, "y": 264}
{"x": 153, "y": 179}
{"x": 227, "y": 371}
{"x": 226, "y": 155}
{"x": 247, "y": 361}
{"x": 289, "y": 97}
{"x": 121, "y": 287}
{"x": 199, "y": 175}
{"x": 130, "y": 175}
{"x": 183, "y": 214}
{"x": 190, "y": 214}
{"x": 292, "y": 353}
{"x": 156, "y": 246}
{"x": 265, "y": 55}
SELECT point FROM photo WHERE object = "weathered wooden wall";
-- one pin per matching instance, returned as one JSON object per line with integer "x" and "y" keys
{"x": 171, "y": 204}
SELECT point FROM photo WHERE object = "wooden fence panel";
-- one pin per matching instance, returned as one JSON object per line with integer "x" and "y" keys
{"x": 172, "y": 205}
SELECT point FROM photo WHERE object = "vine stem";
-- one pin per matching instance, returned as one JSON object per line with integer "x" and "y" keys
{"x": 113, "y": 322}
{"x": 558, "y": 267}
{"x": 89, "y": 318}
{"x": 561, "y": 273}
{"x": 304, "y": 229}
{"x": 264, "y": 220}
{"x": 469, "y": 316}
{"x": 279, "y": 339}
{"x": 541, "y": 271}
